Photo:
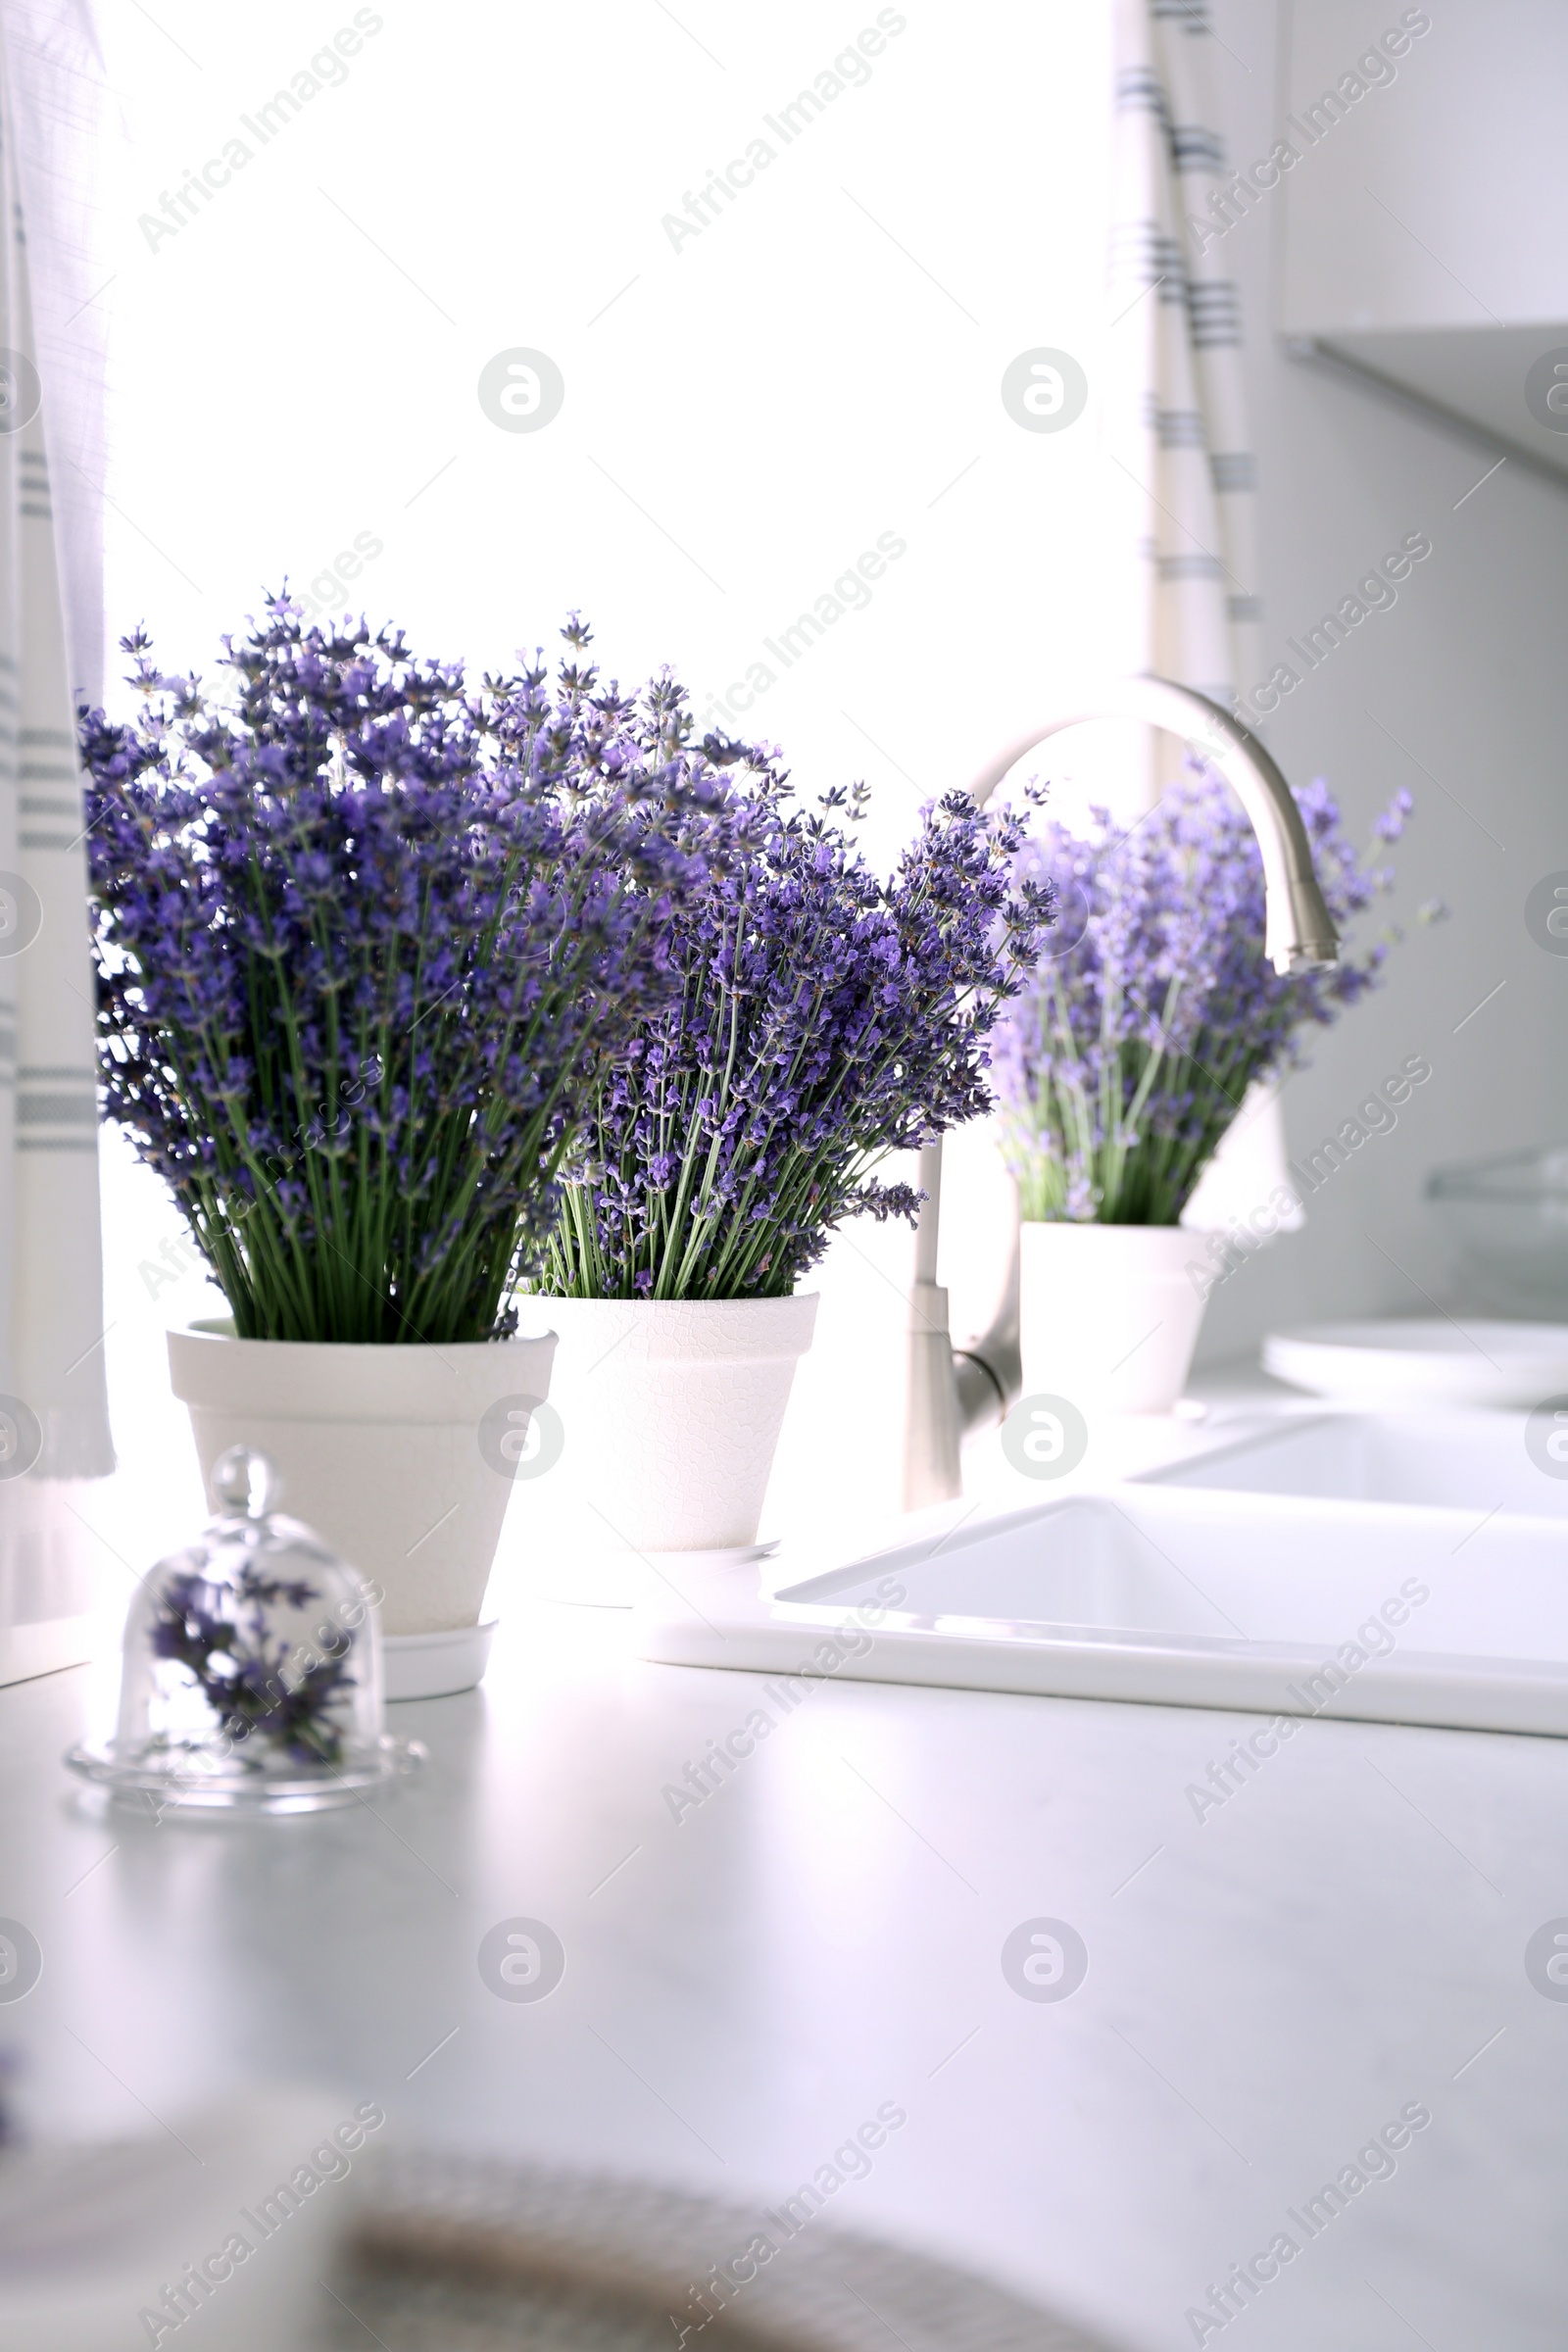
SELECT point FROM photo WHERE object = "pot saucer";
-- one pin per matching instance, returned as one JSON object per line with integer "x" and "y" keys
{"x": 435, "y": 1665}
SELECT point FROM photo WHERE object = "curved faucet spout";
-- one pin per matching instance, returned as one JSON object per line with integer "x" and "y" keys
{"x": 1298, "y": 937}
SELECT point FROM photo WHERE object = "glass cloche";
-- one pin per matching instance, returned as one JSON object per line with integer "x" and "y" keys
{"x": 251, "y": 1669}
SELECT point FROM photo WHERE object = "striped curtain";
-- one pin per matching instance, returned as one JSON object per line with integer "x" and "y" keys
{"x": 53, "y": 1406}
{"x": 1176, "y": 421}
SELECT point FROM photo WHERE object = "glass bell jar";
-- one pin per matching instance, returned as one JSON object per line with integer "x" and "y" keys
{"x": 250, "y": 1670}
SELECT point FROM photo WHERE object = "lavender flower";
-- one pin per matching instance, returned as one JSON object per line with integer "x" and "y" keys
{"x": 1123, "y": 1061}
{"x": 823, "y": 1018}
{"x": 243, "y": 1681}
{"x": 363, "y": 938}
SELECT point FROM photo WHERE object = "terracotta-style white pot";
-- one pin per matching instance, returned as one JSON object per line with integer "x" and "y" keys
{"x": 670, "y": 1412}
{"x": 1110, "y": 1313}
{"x": 401, "y": 1458}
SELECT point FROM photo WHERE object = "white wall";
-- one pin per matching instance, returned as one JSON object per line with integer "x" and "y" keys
{"x": 1460, "y": 693}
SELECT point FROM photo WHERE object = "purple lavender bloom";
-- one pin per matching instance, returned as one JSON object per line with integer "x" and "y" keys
{"x": 822, "y": 1019}
{"x": 1122, "y": 1061}
{"x": 245, "y": 1683}
{"x": 365, "y": 939}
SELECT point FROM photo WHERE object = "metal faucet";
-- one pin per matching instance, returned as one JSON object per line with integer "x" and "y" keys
{"x": 951, "y": 1390}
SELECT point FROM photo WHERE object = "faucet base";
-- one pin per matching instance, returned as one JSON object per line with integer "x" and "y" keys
{"x": 933, "y": 1430}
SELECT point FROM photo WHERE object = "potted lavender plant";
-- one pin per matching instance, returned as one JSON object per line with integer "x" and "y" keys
{"x": 1124, "y": 1059}
{"x": 823, "y": 1018}
{"x": 362, "y": 937}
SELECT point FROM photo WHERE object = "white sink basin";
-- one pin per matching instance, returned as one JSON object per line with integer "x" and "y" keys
{"x": 1400, "y": 1592}
{"x": 1461, "y": 1462}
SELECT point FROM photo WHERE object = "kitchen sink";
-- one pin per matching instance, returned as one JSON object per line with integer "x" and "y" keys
{"x": 1384, "y": 1569}
{"x": 1460, "y": 1461}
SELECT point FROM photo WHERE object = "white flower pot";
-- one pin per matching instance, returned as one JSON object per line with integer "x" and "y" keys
{"x": 1110, "y": 1313}
{"x": 390, "y": 1453}
{"x": 670, "y": 1412}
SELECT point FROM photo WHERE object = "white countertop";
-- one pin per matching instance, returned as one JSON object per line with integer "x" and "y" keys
{"x": 1267, "y": 1988}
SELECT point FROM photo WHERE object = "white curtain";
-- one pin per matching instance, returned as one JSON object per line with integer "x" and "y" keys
{"x": 1180, "y": 455}
{"x": 60, "y": 117}
{"x": 53, "y": 1408}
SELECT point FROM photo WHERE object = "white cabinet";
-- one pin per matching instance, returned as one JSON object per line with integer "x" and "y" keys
{"x": 1418, "y": 203}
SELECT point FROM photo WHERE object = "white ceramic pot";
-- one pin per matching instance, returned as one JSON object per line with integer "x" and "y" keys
{"x": 401, "y": 1458}
{"x": 670, "y": 1412}
{"x": 1110, "y": 1313}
